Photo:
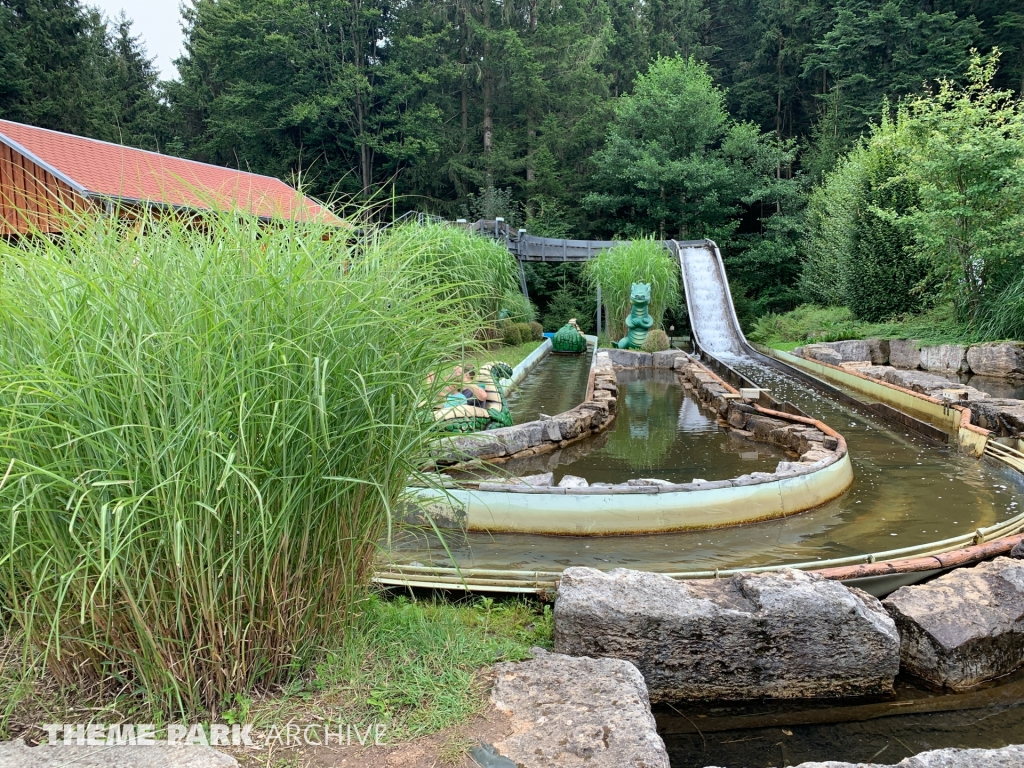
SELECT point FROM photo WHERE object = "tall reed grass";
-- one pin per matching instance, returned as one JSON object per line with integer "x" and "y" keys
{"x": 205, "y": 430}
{"x": 637, "y": 261}
{"x": 460, "y": 264}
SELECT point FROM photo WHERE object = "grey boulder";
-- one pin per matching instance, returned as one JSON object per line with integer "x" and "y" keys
{"x": 949, "y": 358}
{"x": 823, "y": 353}
{"x": 1005, "y": 359}
{"x": 905, "y": 353}
{"x": 780, "y": 635}
{"x": 15, "y": 754}
{"x": 1007, "y": 757}
{"x": 965, "y": 627}
{"x": 572, "y": 712}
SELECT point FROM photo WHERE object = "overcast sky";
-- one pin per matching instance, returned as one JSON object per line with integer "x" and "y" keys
{"x": 157, "y": 23}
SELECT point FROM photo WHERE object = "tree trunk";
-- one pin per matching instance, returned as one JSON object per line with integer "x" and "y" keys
{"x": 488, "y": 116}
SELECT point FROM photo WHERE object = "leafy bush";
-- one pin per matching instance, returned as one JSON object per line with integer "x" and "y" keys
{"x": 656, "y": 341}
{"x": 638, "y": 261}
{"x": 928, "y": 210}
{"x": 514, "y": 334}
{"x": 205, "y": 429}
{"x": 536, "y": 331}
{"x": 859, "y": 243}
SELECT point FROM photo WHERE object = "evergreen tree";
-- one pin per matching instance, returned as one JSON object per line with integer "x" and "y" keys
{"x": 134, "y": 109}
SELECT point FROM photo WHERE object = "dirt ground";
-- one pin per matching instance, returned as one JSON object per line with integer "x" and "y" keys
{"x": 447, "y": 749}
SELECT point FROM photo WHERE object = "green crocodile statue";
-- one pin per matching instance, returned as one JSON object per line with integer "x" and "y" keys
{"x": 639, "y": 321}
{"x": 568, "y": 340}
{"x": 477, "y": 404}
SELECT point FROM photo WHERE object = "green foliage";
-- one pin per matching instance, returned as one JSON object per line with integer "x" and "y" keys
{"x": 62, "y": 66}
{"x": 561, "y": 293}
{"x": 674, "y": 162}
{"x": 928, "y": 209}
{"x": 810, "y": 323}
{"x": 536, "y": 331}
{"x": 514, "y": 334}
{"x": 1002, "y": 316}
{"x": 656, "y": 341}
{"x": 517, "y": 307}
{"x": 859, "y": 245}
{"x": 616, "y": 269}
{"x": 966, "y": 159}
{"x": 566, "y": 304}
{"x": 205, "y": 431}
{"x": 415, "y": 666}
{"x": 478, "y": 272}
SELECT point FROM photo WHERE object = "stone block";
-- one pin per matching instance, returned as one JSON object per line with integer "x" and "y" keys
{"x": 15, "y": 754}
{"x": 1007, "y": 757}
{"x": 1003, "y": 360}
{"x": 572, "y": 481}
{"x": 1004, "y": 417}
{"x": 665, "y": 359}
{"x": 763, "y": 426}
{"x": 823, "y": 353}
{"x": 783, "y": 635}
{"x": 965, "y": 627}
{"x": 543, "y": 480}
{"x": 521, "y": 436}
{"x": 737, "y": 418}
{"x": 854, "y": 351}
{"x": 879, "y": 349}
{"x": 905, "y": 353}
{"x": 627, "y": 358}
{"x": 948, "y": 358}
{"x": 552, "y": 431}
{"x": 568, "y": 712}
{"x": 572, "y": 424}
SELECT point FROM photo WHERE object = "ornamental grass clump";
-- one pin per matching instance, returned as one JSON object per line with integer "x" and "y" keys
{"x": 205, "y": 431}
{"x": 636, "y": 261}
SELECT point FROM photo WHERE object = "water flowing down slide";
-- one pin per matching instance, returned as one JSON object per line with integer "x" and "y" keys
{"x": 712, "y": 317}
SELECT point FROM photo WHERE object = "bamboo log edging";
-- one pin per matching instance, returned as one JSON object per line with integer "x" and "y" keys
{"x": 939, "y": 555}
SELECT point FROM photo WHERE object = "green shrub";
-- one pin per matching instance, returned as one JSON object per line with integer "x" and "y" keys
{"x": 656, "y": 341}
{"x": 204, "y": 431}
{"x": 567, "y": 303}
{"x": 526, "y": 332}
{"x": 638, "y": 261}
{"x": 510, "y": 334}
{"x": 536, "y": 331}
{"x": 859, "y": 250}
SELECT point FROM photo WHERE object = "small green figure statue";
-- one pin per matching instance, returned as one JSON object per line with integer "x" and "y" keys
{"x": 568, "y": 340}
{"x": 639, "y": 320}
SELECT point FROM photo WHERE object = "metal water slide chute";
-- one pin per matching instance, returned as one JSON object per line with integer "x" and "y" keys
{"x": 718, "y": 337}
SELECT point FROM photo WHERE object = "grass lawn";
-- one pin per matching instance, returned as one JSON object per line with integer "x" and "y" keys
{"x": 418, "y": 666}
{"x": 511, "y": 355}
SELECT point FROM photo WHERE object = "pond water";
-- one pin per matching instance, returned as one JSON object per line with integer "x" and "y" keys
{"x": 558, "y": 383}
{"x": 789, "y": 733}
{"x": 660, "y": 431}
{"x": 1012, "y": 389}
{"x": 906, "y": 491}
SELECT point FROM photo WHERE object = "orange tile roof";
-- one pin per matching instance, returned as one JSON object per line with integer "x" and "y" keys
{"x": 112, "y": 170}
